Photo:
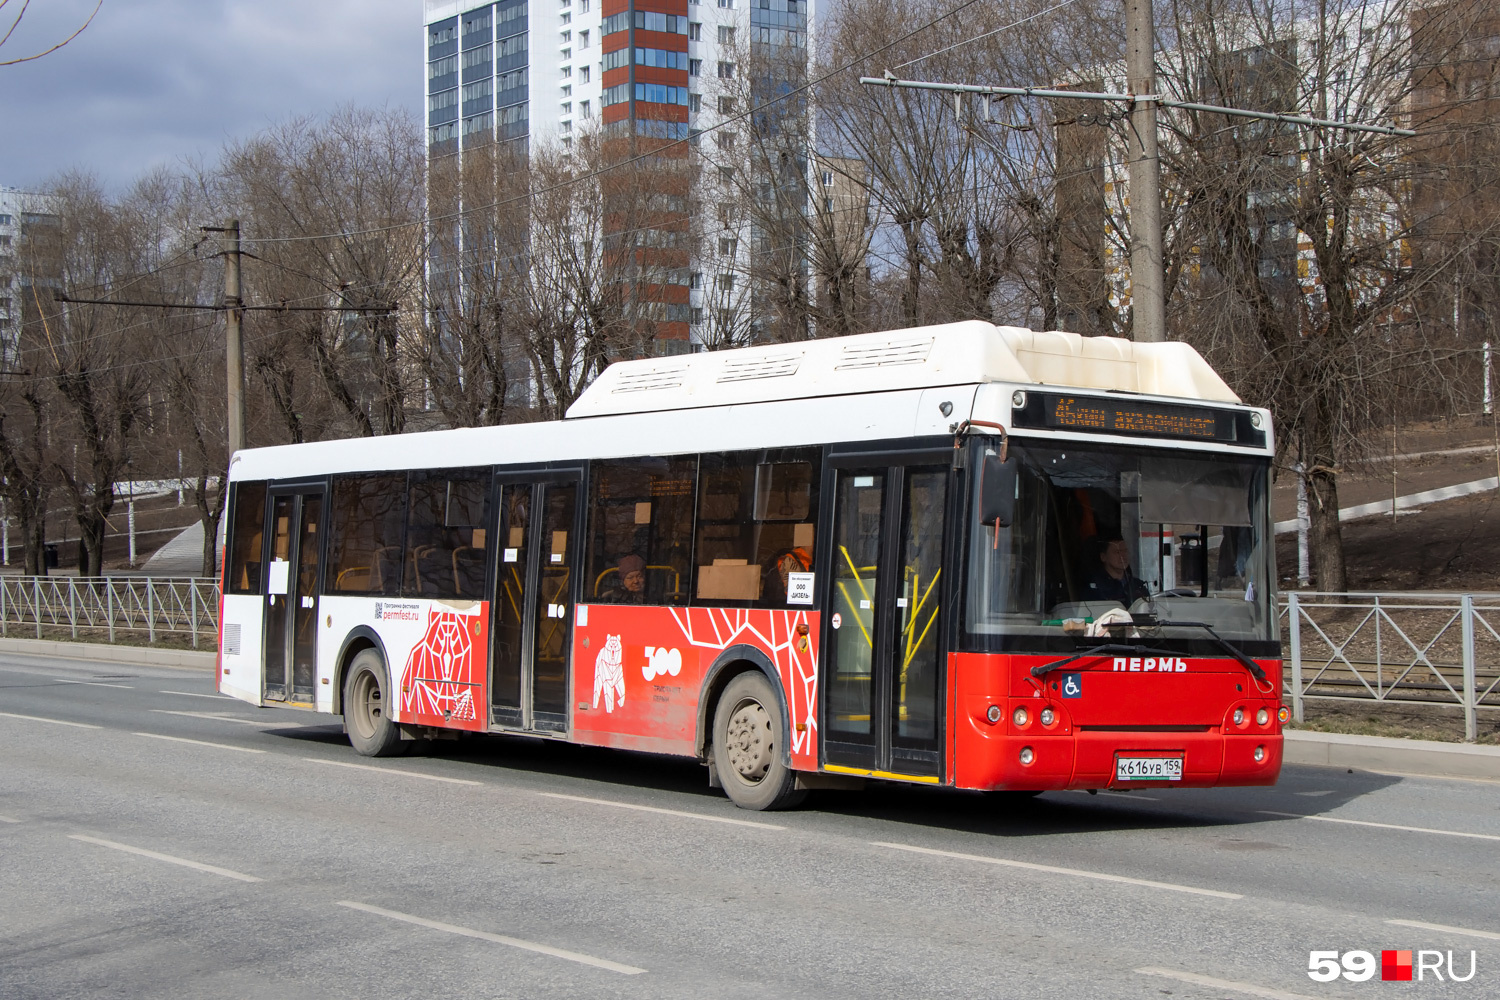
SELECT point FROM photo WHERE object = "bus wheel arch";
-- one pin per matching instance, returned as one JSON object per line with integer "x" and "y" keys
{"x": 358, "y": 640}
{"x": 728, "y": 665}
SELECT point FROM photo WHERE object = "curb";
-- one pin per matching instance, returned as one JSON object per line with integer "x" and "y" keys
{"x": 145, "y": 656}
{"x": 1383, "y": 753}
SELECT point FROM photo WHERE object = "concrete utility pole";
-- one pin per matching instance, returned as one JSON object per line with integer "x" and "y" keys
{"x": 1147, "y": 275}
{"x": 234, "y": 345}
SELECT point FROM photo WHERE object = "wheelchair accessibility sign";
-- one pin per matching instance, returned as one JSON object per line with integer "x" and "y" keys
{"x": 1072, "y": 685}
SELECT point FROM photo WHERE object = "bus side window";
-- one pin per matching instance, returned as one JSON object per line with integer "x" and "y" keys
{"x": 247, "y": 535}
{"x": 756, "y": 513}
{"x": 366, "y": 522}
{"x": 445, "y": 535}
{"x": 642, "y": 508}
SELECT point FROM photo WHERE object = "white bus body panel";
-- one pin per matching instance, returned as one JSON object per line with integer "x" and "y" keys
{"x": 240, "y": 657}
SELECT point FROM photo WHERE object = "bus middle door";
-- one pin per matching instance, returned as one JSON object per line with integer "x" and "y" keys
{"x": 882, "y": 659}
{"x": 531, "y": 638}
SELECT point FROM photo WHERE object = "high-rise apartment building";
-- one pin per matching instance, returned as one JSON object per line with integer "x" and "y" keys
{"x": 535, "y": 73}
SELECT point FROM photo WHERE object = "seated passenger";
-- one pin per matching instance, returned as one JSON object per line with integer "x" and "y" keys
{"x": 1112, "y": 579}
{"x": 629, "y": 585}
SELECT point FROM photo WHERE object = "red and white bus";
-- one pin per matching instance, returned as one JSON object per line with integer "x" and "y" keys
{"x": 962, "y": 555}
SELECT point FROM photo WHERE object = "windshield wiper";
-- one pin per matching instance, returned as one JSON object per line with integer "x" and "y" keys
{"x": 1109, "y": 647}
{"x": 1225, "y": 645}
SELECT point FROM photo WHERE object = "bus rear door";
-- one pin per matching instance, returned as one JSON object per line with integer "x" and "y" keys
{"x": 294, "y": 545}
{"x": 882, "y": 665}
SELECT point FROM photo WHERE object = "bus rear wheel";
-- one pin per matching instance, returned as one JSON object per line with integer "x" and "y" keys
{"x": 366, "y": 708}
{"x": 748, "y": 746}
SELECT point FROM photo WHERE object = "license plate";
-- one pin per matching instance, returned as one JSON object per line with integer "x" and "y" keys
{"x": 1148, "y": 768}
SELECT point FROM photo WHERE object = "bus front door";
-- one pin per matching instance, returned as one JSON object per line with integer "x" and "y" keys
{"x": 533, "y": 601}
{"x": 882, "y": 662}
{"x": 291, "y": 561}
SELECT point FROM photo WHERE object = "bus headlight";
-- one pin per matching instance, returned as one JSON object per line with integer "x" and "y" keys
{"x": 1027, "y": 755}
{"x": 1262, "y": 717}
{"x": 1048, "y": 716}
{"x": 993, "y": 714}
{"x": 1239, "y": 717}
{"x": 1021, "y": 716}
{"x": 1260, "y": 754}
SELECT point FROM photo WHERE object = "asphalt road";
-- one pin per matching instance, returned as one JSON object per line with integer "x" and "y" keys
{"x": 157, "y": 840}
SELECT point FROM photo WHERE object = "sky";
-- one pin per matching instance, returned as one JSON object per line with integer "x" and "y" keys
{"x": 160, "y": 82}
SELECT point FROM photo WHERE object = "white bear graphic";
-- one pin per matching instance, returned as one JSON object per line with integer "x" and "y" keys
{"x": 609, "y": 674}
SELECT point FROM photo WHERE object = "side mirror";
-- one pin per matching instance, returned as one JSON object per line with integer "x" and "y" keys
{"x": 997, "y": 491}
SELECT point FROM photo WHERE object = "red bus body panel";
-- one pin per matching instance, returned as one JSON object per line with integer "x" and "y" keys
{"x": 665, "y": 655}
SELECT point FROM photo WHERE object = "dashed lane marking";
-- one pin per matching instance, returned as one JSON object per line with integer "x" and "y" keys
{"x": 541, "y": 949}
{"x": 391, "y": 770}
{"x": 201, "y": 743}
{"x": 664, "y": 812}
{"x": 1381, "y": 826}
{"x": 170, "y": 859}
{"x": 7, "y": 819}
{"x": 1053, "y": 870}
{"x": 221, "y": 717}
{"x": 196, "y": 694}
{"x": 1445, "y": 929}
{"x": 1249, "y": 989}
{"x": 97, "y": 684}
{"x": 55, "y": 722}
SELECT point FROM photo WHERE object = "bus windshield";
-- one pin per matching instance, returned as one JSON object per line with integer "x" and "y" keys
{"x": 1097, "y": 529}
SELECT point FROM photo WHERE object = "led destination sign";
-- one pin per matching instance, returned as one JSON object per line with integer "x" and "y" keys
{"x": 1103, "y": 415}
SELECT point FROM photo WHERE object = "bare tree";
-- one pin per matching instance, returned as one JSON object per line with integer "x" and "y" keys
{"x": 18, "y": 14}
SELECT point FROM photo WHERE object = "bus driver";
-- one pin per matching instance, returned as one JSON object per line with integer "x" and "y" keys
{"x": 1112, "y": 579}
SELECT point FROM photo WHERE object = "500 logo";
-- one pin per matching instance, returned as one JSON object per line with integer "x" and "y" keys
{"x": 1395, "y": 966}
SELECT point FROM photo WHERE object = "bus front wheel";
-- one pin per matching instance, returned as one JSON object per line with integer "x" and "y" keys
{"x": 366, "y": 708}
{"x": 748, "y": 746}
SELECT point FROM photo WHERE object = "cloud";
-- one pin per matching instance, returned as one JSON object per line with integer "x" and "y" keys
{"x": 156, "y": 82}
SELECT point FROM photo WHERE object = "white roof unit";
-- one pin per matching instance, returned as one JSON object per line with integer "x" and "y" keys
{"x": 952, "y": 354}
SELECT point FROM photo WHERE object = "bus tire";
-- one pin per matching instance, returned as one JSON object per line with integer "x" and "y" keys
{"x": 366, "y": 702}
{"x": 747, "y": 748}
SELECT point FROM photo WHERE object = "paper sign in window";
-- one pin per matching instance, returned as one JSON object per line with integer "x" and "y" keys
{"x": 277, "y": 576}
{"x": 559, "y": 545}
{"x": 799, "y": 587}
{"x": 643, "y": 513}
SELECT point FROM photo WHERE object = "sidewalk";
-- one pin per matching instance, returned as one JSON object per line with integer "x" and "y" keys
{"x": 1396, "y": 756}
{"x": 141, "y": 656}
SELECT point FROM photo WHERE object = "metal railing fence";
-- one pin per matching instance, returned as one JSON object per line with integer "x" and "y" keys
{"x": 159, "y": 607}
{"x": 1394, "y": 648}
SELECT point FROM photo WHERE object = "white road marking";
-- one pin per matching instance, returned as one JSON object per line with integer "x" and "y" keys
{"x": 392, "y": 770}
{"x": 55, "y": 722}
{"x": 97, "y": 684}
{"x": 1224, "y": 984}
{"x": 1445, "y": 929}
{"x": 541, "y": 949}
{"x": 7, "y": 819}
{"x": 201, "y": 743}
{"x": 665, "y": 812}
{"x": 1382, "y": 826}
{"x": 221, "y": 717}
{"x": 1053, "y": 870}
{"x": 1326, "y": 791}
{"x": 184, "y": 862}
{"x": 195, "y": 694}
